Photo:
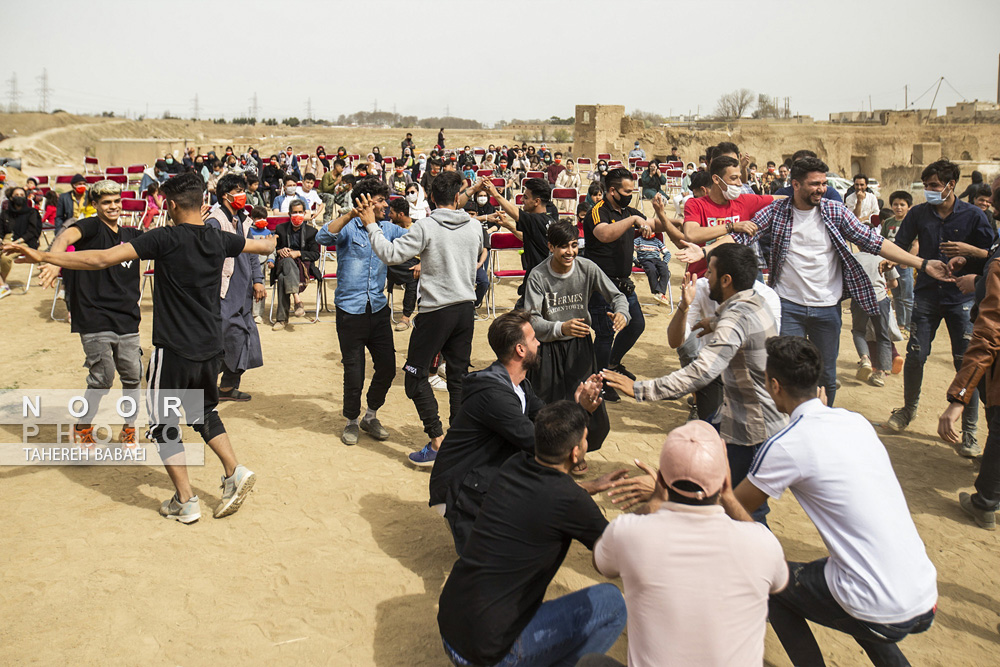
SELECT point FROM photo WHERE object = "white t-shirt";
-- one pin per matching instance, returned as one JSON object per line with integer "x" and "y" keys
{"x": 696, "y": 585}
{"x": 869, "y": 205}
{"x": 311, "y": 198}
{"x": 839, "y": 471}
{"x": 703, "y": 306}
{"x": 812, "y": 274}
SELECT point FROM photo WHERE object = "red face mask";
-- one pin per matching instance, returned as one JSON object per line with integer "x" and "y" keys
{"x": 297, "y": 220}
{"x": 80, "y": 189}
{"x": 3, "y": 177}
{"x": 260, "y": 224}
{"x": 240, "y": 200}
{"x": 399, "y": 170}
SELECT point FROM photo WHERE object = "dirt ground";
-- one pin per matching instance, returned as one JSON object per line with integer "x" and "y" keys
{"x": 335, "y": 558}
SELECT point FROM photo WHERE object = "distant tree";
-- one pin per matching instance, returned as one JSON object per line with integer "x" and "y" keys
{"x": 648, "y": 118}
{"x": 733, "y": 105}
{"x": 562, "y": 136}
{"x": 270, "y": 121}
{"x": 291, "y": 122}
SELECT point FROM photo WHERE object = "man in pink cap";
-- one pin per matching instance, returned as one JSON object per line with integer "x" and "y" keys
{"x": 696, "y": 582}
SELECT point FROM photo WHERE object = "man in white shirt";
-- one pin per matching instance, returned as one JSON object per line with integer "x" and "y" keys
{"x": 863, "y": 204}
{"x": 696, "y": 583}
{"x": 878, "y": 585}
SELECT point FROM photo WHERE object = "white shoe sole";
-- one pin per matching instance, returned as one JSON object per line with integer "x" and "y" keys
{"x": 189, "y": 519}
{"x": 241, "y": 494}
{"x": 864, "y": 372}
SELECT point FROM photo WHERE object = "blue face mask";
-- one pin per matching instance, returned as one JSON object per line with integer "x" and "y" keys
{"x": 934, "y": 198}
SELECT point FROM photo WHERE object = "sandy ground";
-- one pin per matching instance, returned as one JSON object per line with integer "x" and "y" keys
{"x": 336, "y": 558}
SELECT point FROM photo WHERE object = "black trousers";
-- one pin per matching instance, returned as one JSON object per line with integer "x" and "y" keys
{"x": 449, "y": 331}
{"x": 357, "y": 332}
{"x": 657, "y": 273}
{"x": 397, "y": 275}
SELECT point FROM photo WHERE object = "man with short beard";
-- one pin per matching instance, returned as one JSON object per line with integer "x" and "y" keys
{"x": 494, "y": 423}
{"x": 734, "y": 351}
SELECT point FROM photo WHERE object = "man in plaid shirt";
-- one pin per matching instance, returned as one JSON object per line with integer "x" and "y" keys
{"x": 811, "y": 265}
{"x": 735, "y": 350}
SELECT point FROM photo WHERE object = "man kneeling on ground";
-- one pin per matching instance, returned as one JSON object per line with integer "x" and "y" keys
{"x": 491, "y": 610}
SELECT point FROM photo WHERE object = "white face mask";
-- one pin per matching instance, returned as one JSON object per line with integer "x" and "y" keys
{"x": 289, "y": 191}
{"x": 730, "y": 192}
{"x": 412, "y": 197}
{"x": 482, "y": 200}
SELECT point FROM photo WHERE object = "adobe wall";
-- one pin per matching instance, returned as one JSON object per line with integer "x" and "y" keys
{"x": 878, "y": 150}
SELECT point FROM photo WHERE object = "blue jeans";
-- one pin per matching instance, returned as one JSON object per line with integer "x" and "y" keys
{"x": 740, "y": 459}
{"x": 882, "y": 360}
{"x": 808, "y": 597}
{"x": 565, "y": 629}
{"x": 821, "y": 325}
{"x": 609, "y": 350}
{"x": 902, "y": 297}
{"x": 927, "y": 316}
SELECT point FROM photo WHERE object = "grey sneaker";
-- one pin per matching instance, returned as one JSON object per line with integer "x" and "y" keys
{"x": 188, "y": 512}
{"x": 374, "y": 428}
{"x": 235, "y": 490}
{"x": 983, "y": 518}
{"x": 350, "y": 434}
{"x": 899, "y": 419}
{"x": 877, "y": 378}
{"x": 864, "y": 369}
{"x": 970, "y": 448}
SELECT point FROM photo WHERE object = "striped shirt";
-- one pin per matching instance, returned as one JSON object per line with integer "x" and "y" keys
{"x": 775, "y": 222}
{"x": 735, "y": 350}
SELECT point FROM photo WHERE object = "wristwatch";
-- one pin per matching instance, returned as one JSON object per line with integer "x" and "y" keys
{"x": 923, "y": 266}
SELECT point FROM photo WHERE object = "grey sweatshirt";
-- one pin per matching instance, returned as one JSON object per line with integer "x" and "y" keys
{"x": 553, "y": 298}
{"x": 449, "y": 246}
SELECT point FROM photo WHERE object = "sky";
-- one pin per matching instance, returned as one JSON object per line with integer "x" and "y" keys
{"x": 495, "y": 60}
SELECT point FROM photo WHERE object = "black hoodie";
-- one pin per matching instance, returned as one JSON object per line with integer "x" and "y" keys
{"x": 489, "y": 429}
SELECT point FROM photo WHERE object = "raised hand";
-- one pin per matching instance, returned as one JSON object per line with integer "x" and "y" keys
{"x": 617, "y": 321}
{"x": 690, "y": 253}
{"x": 619, "y": 382}
{"x": 632, "y": 491}
{"x": 688, "y": 289}
{"x": 576, "y": 327}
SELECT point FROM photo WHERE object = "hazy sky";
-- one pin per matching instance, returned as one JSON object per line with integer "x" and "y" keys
{"x": 495, "y": 60}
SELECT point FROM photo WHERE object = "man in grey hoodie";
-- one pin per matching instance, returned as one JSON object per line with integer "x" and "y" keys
{"x": 449, "y": 243}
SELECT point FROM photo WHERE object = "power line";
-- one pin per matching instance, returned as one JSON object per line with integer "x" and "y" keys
{"x": 13, "y": 94}
{"x": 253, "y": 107}
{"x": 196, "y": 110}
{"x": 953, "y": 88}
{"x": 43, "y": 91}
{"x": 309, "y": 109}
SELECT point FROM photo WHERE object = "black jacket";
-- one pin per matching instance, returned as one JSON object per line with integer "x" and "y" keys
{"x": 21, "y": 224}
{"x": 309, "y": 247}
{"x": 489, "y": 429}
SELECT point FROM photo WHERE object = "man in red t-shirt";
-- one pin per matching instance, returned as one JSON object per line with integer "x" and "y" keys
{"x": 723, "y": 211}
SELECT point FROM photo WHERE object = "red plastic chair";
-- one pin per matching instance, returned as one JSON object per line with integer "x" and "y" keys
{"x": 321, "y": 298}
{"x": 534, "y": 174}
{"x": 120, "y": 179}
{"x": 93, "y": 178}
{"x": 129, "y": 194}
{"x": 484, "y": 173}
{"x": 133, "y": 211}
{"x": 274, "y": 220}
{"x": 604, "y": 156}
{"x": 64, "y": 180}
{"x": 566, "y": 196}
{"x": 116, "y": 171}
{"x": 42, "y": 180}
{"x": 91, "y": 165}
{"x": 501, "y": 242}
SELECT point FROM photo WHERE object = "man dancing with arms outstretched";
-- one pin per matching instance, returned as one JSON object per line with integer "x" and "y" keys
{"x": 187, "y": 331}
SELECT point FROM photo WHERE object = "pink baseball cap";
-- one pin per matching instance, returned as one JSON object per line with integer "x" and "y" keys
{"x": 694, "y": 453}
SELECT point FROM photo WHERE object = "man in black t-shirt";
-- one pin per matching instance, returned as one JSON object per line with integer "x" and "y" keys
{"x": 530, "y": 223}
{"x": 491, "y": 607}
{"x": 103, "y": 306}
{"x": 610, "y": 243}
{"x": 187, "y": 333}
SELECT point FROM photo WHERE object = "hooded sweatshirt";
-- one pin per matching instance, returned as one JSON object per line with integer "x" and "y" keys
{"x": 491, "y": 427}
{"x": 449, "y": 244}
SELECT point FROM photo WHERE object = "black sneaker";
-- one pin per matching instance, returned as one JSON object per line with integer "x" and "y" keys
{"x": 234, "y": 395}
{"x": 374, "y": 428}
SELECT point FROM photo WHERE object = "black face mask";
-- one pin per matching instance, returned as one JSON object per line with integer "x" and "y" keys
{"x": 623, "y": 201}
{"x": 18, "y": 202}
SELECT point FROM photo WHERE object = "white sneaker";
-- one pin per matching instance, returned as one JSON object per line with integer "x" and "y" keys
{"x": 442, "y": 371}
{"x": 188, "y": 512}
{"x": 4, "y": 291}
{"x": 235, "y": 490}
{"x": 438, "y": 383}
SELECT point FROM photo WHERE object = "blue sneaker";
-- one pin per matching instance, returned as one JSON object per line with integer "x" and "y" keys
{"x": 425, "y": 457}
